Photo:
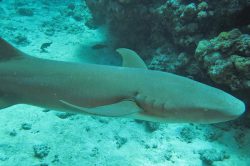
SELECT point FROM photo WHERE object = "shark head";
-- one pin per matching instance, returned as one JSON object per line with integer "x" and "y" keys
{"x": 165, "y": 97}
{"x": 171, "y": 98}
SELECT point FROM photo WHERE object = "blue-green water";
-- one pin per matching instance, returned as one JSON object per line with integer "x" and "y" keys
{"x": 207, "y": 41}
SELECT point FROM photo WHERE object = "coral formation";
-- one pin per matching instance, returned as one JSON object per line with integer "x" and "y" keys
{"x": 25, "y": 11}
{"x": 13, "y": 133}
{"x": 208, "y": 156}
{"x": 20, "y": 39}
{"x": 148, "y": 24}
{"x": 64, "y": 115}
{"x": 120, "y": 141}
{"x": 26, "y": 126}
{"x": 76, "y": 11}
{"x": 179, "y": 64}
{"x": 41, "y": 150}
{"x": 212, "y": 134}
{"x": 168, "y": 33}
{"x": 226, "y": 59}
{"x": 151, "y": 127}
{"x": 187, "y": 134}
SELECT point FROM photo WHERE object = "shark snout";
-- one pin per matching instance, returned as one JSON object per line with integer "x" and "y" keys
{"x": 234, "y": 107}
{"x": 223, "y": 107}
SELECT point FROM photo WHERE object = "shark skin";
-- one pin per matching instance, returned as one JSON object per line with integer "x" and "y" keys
{"x": 130, "y": 91}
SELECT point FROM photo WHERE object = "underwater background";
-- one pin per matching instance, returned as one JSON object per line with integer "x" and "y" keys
{"x": 207, "y": 41}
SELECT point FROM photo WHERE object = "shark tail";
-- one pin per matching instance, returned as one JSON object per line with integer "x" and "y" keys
{"x": 7, "y": 53}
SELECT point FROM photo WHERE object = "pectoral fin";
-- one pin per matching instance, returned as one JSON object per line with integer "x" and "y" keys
{"x": 122, "y": 108}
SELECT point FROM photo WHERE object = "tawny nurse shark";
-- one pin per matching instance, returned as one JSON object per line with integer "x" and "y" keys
{"x": 130, "y": 91}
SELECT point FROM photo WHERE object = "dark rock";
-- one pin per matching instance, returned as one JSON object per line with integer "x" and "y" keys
{"x": 41, "y": 150}
{"x": 26, "y": 126}
{"x": 120, "y": 141}
{"x": 208, "y": 156}
{"x": 64, "y": 115}
{"x": 13, "y": 133}
{"x": 25, "y": 11}
{"x": 151, "y": 126}
{"x": 187, "y": 134}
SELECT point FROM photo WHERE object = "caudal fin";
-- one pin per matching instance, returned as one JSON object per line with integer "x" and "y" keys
{"x": 7, "y": 51}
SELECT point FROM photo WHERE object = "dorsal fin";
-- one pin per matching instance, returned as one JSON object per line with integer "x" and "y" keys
{"x": 7, "y": 51}
{"x": 130, "y": 58}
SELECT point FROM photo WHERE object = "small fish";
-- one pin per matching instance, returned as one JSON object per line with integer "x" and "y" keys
{"x": 44, "y": 46}
{"x": 99, "y": 46}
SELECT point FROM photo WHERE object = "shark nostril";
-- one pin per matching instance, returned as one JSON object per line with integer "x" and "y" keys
{"x": 136, "y": 93}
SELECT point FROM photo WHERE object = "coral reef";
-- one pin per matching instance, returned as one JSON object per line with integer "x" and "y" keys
{"x": 120, "y": 141}
{"x": 41, "y": 150}
{"x": 20, "y": 39}
{"x": 208, "y": 156}
{"x": 180, "y": 64}
{"x": 13, "y": 133}
{"x": 76, "y": 11}
{"x": 148, "y": 24}
{"x": 64, "y": 115}
{"x": 212, "y": 134}
{"x": 187, "y": 134}
{"x": 168, "y": 33}
{"x": 226, "y": 59}
{"x": 151, "y": 127}
{"x": 25, "y": 11}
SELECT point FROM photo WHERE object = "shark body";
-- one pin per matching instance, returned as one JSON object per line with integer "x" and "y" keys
{"x": 130, "y": 91}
